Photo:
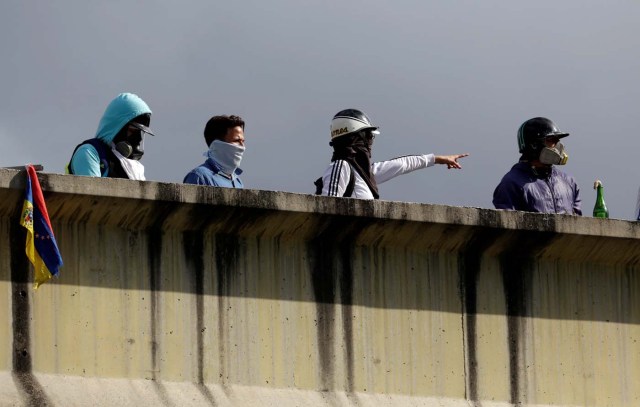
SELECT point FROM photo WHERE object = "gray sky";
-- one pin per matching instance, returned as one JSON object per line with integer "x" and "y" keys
{"x": 442, "y": 77}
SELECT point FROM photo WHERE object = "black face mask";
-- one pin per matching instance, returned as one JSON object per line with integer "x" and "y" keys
{"x": 356, "y": 149}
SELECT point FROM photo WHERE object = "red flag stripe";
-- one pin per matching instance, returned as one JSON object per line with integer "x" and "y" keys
{"x": 38, "y": 198}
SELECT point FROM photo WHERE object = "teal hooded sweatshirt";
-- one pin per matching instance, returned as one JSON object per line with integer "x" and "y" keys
{"x": 124, "y": 108}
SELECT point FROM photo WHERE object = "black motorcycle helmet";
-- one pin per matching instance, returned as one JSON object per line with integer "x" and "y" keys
{"x": 532, "y": 134}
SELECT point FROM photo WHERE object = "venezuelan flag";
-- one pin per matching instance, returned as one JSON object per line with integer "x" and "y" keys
{"x": 41, "y": 246}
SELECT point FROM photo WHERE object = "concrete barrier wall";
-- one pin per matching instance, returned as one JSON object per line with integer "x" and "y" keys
{"x": 185, "y": 295}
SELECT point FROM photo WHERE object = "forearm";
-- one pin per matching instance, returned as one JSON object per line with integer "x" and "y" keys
{"x": 385, "y": 170}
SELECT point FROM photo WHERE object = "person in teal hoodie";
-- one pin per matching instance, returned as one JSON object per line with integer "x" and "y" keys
{"x": 118, "y": 146}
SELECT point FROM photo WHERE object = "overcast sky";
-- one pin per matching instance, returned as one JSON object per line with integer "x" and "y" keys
{"x": 443, "y": 77}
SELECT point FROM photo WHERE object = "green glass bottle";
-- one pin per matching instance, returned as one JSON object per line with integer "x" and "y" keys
{"x": 600, "y": 208}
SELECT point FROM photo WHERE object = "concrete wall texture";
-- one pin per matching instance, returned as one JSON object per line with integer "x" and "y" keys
{"x": 183, "y": 295}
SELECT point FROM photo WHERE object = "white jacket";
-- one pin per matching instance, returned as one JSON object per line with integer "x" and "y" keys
{"x": 336, "y": 177}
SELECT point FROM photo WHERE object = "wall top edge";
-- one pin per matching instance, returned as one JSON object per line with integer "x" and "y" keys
{"x": 111, "y": 189}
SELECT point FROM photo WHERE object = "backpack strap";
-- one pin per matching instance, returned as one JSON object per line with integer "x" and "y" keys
{"x": 350, "y": 186}
{"x": 319, "y": 184}
{"x": 101, "y": 148}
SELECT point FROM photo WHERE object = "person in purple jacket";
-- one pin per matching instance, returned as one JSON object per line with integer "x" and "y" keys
{"x": 534, "y": 184}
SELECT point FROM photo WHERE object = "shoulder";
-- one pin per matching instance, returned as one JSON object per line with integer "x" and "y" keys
{"x": 339, "y": 165}
{"x": 201, "y": 175}
{"x": 86, "y": 161}
{"x": 518, "y": 174}
{"x": 337, "y": 170}
{"x": 86, "y": 150}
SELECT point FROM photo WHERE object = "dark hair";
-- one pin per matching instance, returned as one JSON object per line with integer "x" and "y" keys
{"x": 218, "y": 126}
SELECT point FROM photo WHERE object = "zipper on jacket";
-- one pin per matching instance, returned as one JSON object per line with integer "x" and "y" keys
{"x": 553, "y": 197}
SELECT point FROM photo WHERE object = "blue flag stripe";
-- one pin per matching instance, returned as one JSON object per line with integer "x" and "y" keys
{"x": 45, "y": 242}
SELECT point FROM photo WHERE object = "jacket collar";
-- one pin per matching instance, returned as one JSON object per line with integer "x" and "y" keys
{"x": 526, "y": 167}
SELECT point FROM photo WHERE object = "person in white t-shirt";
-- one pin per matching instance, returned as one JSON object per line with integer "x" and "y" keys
{"x": 351, "y": 172}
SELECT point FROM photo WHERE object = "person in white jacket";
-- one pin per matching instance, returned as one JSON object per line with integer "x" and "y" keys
{"x": 352, "y": 174}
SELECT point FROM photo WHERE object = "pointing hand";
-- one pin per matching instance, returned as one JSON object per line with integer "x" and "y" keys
{"x": 450, "y": 160}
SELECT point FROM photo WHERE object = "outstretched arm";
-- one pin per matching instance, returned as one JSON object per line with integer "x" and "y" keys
{"x": 385, "y": 170}
{"x": 450, "y": 160}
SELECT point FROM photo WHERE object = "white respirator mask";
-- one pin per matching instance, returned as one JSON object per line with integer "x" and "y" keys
{"x": 554, "y": 155}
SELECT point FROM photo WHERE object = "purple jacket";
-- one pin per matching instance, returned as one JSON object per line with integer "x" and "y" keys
{"x": 522, "y": 190}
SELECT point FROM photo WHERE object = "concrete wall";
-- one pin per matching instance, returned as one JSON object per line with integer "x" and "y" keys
{"x": 184, "y": 295}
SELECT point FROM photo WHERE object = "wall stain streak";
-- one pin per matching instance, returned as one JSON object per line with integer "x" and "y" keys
{"x": 517, "y": 264}
{"x": 193, "y": 246}
{"x": 469, "y": 263}
{"x": 22, "y": 373}
{"x": 323, "y": 277}
{"x": 331, "y": 256}
{"x": 154, "y": 255}
{"x": 346, "y": 299}
{"x": 226, "y": 252}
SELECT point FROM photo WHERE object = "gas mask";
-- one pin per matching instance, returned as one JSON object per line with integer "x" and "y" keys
{"x": 554, "y": 155}
{"x": 132, "y": 147}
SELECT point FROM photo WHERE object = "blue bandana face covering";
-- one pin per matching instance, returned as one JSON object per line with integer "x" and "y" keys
{"x": 228, "y": 156}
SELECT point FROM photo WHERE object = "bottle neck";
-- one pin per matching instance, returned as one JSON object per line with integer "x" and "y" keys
{"x": 600, "y": 196}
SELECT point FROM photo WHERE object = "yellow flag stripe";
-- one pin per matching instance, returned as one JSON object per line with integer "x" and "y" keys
{"x": 41, "y": 272}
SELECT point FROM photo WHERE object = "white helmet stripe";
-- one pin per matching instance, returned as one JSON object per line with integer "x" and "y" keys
{"x": 341, "y": 126}
{"x": 353, "y": 118}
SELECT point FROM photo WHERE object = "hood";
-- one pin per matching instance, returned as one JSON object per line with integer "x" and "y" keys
{"x": 120, "y": 111}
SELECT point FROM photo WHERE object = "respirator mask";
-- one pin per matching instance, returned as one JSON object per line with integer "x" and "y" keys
{"x": 554, "y": 155}
{"x": 132, "y": 147}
